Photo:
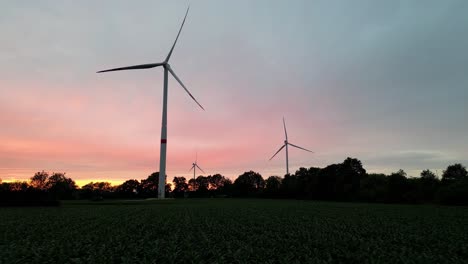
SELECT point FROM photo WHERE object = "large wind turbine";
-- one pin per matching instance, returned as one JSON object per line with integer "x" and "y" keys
{"x": 286, "y": 144}
{"x": 195, "y": 166}
{"x": 167, "y": 68}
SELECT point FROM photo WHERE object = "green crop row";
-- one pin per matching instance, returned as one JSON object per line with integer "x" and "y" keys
{"x": 233, "y": 231}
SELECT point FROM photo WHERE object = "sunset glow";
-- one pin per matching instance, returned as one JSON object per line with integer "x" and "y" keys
{"x": 324, "y": 71}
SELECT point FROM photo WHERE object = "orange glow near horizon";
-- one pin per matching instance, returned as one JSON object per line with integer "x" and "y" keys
{"x": 98, "y": 140}
{"x": 354, "y": 85}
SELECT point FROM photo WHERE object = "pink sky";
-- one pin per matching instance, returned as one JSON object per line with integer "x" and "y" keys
{"x": 383, "y": 82}
{"x": 103, "y": 138}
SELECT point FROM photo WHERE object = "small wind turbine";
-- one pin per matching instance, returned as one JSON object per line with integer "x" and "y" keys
{"x": 195, "y": 166}
{"x": 167, "y": 68}
{"x": 286, "y": 143}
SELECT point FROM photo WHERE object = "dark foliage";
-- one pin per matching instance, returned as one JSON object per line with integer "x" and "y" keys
{"x": 180, "y": 187}
{"x": 249, "y": 184}
{"x": 20, "y": 194}
{"x": 455, "y": 193}
{"x": 60, "y": 186}
{"x": 128, "y": 189}
{"x": 272, "y": 186}
{"x": 454, "y": 173}
{"x": 346, "y": 181}
{"x": 97, "y": 191}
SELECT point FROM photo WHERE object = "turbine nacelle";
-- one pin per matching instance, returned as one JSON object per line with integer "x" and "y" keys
{"x": 286, "y": 144}
{"x": 167, "y": 69}
{"x": 194, "y": 168}
{"x": 165, "y": 65}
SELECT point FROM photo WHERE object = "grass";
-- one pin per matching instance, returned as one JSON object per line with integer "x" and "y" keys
{"x": 233, "y": 231}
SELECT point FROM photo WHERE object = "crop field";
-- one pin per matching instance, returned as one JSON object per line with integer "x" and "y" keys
{"x": 233, "y": 231}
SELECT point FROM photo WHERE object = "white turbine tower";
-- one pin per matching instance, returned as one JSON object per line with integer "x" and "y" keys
{"x": 195, "y": 166}
{"x": 167, "y": 68}
{"x": 286, "y": 143}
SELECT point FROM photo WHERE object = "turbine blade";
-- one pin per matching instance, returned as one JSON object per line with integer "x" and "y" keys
{"x": 277, "y": 152}
{"x": 285, "y": 133}
{"x": 191, "y": 168}
{"x": 199, "y": 168}
{"x": 183, "y": 86}
{"x": 300, "y": 147}
{"x": 135, "y": 67}
{"x": 181, "y": 26}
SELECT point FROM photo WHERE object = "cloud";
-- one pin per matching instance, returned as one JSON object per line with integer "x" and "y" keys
{"x": 410, "y": 160}
{"x": 351, "y": 78}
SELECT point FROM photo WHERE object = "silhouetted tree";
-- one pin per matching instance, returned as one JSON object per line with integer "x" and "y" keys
{"x": 128, "y": 189}
{"x": 193, "y": 185}
{"x": 289, "y": 186}
{"x": 349, "y": 175}
{"x": 39, "y": 180}
{"x": 454, "y": 172}
{"x": 98, "y": 190}
{"x": 149, "y": 186}
{"x": 203, "y": 184}
{"x": 272, "y": 186}
{"x": 427, "y": 186}
{"x": 199, "y": 187}
{"x": 455, "y": 193}
{"x": 216, "y": 181}
{"x": 61, "y": 186}
{"x": 4, "y": 187}
{"x": 373, "y": 188}
{"x": 21, "y": 194}
{"x": 18, "y": 186}
{"x": 454, "y": 188}
{"x": 180, "y": 186}
{"x": 307, "y": 182}
{"x": 87, "y": 191}
{"x": 249, "y": 183}
{"x": 428, "y": 175}
{"x": 226, "y": 189}
{"x": 397, "y": 186}
{"x": 302, "y": 177}
{"x": 345, "y": 181}
{"x": 329, "y": 184}
{"x": 167, "y": 189}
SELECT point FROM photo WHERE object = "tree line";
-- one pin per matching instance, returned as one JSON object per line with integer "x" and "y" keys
{"x": 346, "y": 181}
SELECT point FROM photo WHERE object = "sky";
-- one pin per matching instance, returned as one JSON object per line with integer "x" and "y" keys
{"x": 381, "y": 81}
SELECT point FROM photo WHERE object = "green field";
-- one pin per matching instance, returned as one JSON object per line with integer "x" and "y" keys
{"x": 233, "y": 231}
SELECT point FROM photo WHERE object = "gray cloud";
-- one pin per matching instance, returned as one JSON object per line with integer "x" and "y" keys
{"x": 354, "y": 77}
{"x": 414, "y": 161}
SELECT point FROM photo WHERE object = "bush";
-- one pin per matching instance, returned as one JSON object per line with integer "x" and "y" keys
{"x": 454, "y": 194}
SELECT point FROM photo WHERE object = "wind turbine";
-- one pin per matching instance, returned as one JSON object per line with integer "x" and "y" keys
{"x": 167, "y": 69}
{"x": 286, "y": 144}
{"x": 195, "y": 166}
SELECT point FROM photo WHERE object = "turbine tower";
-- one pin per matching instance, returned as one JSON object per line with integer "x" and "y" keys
{"x": 195, "y": 166}
{"x": 167, "y": 69}
{"x": 286, "y": 144}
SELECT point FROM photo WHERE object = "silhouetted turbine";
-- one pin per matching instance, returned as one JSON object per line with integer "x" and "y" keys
{"x": 286, "y": 143}
{"x": 195, "y": 166}
{"x": 167, "y": 68}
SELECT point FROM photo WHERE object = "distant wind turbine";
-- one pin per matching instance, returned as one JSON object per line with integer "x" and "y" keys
{"x": 195, "y": 166}
{"x": 286, "y": 143}
{"x": 167, "y": 68}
